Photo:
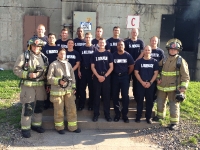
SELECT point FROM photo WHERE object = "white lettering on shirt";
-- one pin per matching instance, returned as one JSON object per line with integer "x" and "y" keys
{"x": 134, "y": 45}
{"x": 87, "y": 52}
{"x": 120, "y": 61}
{"x": 154, "y": 55}
{"x": 101, "y": 58}
{"x": 147, "y": 65}
{"x": 52, "y": 51}
{"x": 63, "y": 46}
{"x": 71, "y": 57}
{"x": 113, "y": 44}
{"x": 79, "y": 44}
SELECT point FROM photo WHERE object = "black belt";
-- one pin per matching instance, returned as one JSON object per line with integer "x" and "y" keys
{"x": 122, "y": 74}
{"x": 102, "y": 73}
{"x": 85, "y": 67}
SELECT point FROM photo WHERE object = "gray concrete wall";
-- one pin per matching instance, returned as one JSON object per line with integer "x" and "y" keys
{"x": 11, "y": 24}
{"x": 109, "y": 13}
{"x": 112, "y": 13}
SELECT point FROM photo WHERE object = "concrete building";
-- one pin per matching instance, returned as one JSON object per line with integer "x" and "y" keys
{"x": 106, "y": 13}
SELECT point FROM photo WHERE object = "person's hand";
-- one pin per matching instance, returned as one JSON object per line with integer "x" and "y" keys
{"x": 79, "y": 74}
{"x": 48, "y": 88}
{"x": 32, "y": 75}
{"x": 148, "y": 84}
{"x": 101, "y": 78}
{"x": 182, "y": 90}
{"x": 159, "y": 81}
{"x": 143, "y": 84}
{"x": 62, "y": 82}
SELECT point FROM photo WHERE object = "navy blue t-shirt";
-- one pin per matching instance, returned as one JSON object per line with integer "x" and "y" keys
{"x": 113, "y": 44}
{"x": 78, "y": 43}
{"x": 86, "y": 53}
{"x": 121, "y": 62}
{"x": 62, "y": 44}
{"x": 157, "y": 54}
{"x": 134, "y": 48}
{"x": 51, "y": 52}
{"x": 101, "y": 60}
{"x": 95, "y": 43}
{"x": 146, "y": 68}
{"x": 73, "y": 57}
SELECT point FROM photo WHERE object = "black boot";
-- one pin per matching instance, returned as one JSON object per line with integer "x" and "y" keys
{"x": 26, "y": 133}
{"x": 38, "y": 129}
{"x": 173, "y": 127}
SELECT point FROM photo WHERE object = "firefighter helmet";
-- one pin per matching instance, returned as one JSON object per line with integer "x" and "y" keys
{"x": 36, "y": 41}
{"x": 174, "y": 44}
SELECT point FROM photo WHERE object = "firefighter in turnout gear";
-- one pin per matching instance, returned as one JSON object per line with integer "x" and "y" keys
{"x": 31, "y": 68}
{"x": 63, "y": 86}
{"x": 172, "y": 82}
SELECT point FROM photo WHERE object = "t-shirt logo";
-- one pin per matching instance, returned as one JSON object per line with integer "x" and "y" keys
{"x": 71, "y": 56}
{"x": 51, "y": 51}
{"x": 147, "y": 65}
{"x": 63, "y": 46}
{"x": 155, "y": 55}
{"x": 87, "y": 52}
{"x": 101, "y": 58}
{"x": 79, "y": 44}
{"x": 134, "y": 45}
{"x": 113, "y": 44}
{"x": 118, "y": 61}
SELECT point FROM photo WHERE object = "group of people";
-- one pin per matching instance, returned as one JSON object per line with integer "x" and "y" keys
{"x": 106, "y": 67}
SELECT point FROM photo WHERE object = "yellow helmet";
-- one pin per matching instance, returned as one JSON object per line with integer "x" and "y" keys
{"x": 174, "y": 44}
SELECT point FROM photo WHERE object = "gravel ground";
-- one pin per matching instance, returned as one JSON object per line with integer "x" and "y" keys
{"x": 161, "y": 136}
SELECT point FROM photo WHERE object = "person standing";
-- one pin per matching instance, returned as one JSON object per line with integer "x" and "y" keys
{"x": 134, "y": 47}
{"x": 79, "y": 41}
{"x": 50, "y": 50}
{"x": 74, "y": 59}
{"x": 85, "y": 72}
{"x": 31, "y": 68}
{"x": 102, "y": 66}
{"x": 123, "y": 66}
{"x": 114, "y": 40}
{"x": 158, "y": 54}
{"x": 62, "y": 80}
{"x": 172, "y": 83}
{"x": 146, "y": 71}
{"x": 98, "y": 35}
{"x": 64, "y": 37}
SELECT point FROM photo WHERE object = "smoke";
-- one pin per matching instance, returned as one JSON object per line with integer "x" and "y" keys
{"x": 193, "y": 11}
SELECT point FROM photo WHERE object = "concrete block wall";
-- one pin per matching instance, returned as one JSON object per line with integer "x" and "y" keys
{"x": 109, "y": 14}
{"x": 11, "y": 25}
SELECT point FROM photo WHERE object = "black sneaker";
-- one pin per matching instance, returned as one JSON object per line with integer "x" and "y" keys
{"x": 61, "y": 131}
{"x": 156, "y": 118}
{"x": 173, "y": 127}
{"x": 116, "y": 118}
{"x": 108, "y": 118}
{"x": 137, "y": 120}
{"x": 77, "y": 130}
{"x": 80, "y": 108}
{"x": 125, "y": 119}
{"x": 149, "y": 121}
{"x": 90, "y": 108}
{"x": 26, "y": 133}
{"x": 38, "y": 129}
{"x": 95, "y": 118}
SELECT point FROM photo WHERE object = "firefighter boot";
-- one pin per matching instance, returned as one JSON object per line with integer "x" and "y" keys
{"x": 38, "y": 129}
{"x": 173, "y": 127}
{"x": 26, "y": 133}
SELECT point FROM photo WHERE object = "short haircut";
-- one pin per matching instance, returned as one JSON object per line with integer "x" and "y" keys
{"x": 61, "y": 49}
{"x": 99, "y": 27}
{"x": 120, "y": 41}
{"x": 101, "y": 39}
{"x": 79, "y": 28}
{"x": 116, "y": 27}
{"x": 40, "y": 25}
{"x": 88, "y": 33}
{"x": 153, "y": 37}
{"x": 70, "y": 40}
{"x": 64, "y": 29}
{"x": 51, "y": 34}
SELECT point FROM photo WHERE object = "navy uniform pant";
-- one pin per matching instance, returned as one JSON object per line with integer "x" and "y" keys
{"x": 120, "y": 82}
{"x": 102, "y": 89}
{"x": 86, "y": 79}
{"x": 148, "y": 94}
{"x": 77, "y": 84}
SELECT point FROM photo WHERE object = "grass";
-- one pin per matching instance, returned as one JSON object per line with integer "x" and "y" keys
{"x": 9, "y": 112}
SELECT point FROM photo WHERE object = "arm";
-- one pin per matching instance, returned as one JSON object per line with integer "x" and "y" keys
{"x": 130, "y": 69}
{"x": 50, "y": 76}
{"x": 185, "y": 77}
{"x": 152, "y": 79}
{"x": 100, "y": 78}
{"x": 109, "y": 70}
{"x": 140, "y": 56}
{"x": 139, "y": 78}
{"x": 77, "y": 65}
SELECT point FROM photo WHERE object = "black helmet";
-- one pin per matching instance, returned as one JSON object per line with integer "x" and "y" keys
{"x": 174, "y": 44}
